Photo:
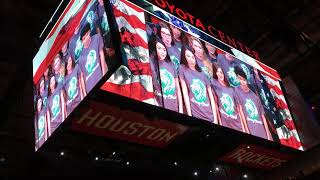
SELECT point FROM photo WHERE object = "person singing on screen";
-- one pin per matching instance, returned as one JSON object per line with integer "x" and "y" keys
{"x": 92, "y": 60}
{"x": 73, "y": 86}
{"x": 250, "y": 107}
{"x": 164, "y": 77}
{"x": 227, "y": 105}
{"x": 56, "y": 105}
{"x": 196, "y": 88}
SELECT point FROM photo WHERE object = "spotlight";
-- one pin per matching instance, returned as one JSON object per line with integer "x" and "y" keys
{"x": 248, "y": 147}
{"x": 175, "y": 163}
{"x": 195, "y": 173}
{"x": 245, "y": 176}
{"x": 210, "y": 171}
{"x": 313, "y": 107}
{"x": 114, "y": 153}
{"x": 61, "y": 153}
{"x": 128, "y": 163}
{"x": 217, "y": 169}
{"x": 96, "y": 158}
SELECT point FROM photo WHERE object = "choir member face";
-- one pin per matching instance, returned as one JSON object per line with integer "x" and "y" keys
{"x": 57, "y": 64}
{"x": 86, "y": 39}
{"x": 229, "y": 56}
{"x": 161, "y": 51}
{"x": 166, "y": 36}
{"x": 243, "y": 82}
{"x": 176, "y": 32}
{"x": 52, "y": 83}
{"x": 64, "y": 48}
{"x": 39, "y": 104}
{"x": 198, "y": 51}
{"x": 41, "y": 89}
{"x": 190, "y": 59}
{"x": 69, "y": 65}
{"x": 211, "y": 49}
{"x": 220, "y": 75}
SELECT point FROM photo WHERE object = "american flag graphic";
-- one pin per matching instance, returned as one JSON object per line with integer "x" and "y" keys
{"x": 133, "y": 79}
{"x": 285, "y": 127}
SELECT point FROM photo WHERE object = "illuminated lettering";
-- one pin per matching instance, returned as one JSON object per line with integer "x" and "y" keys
{"x": 266, "y": 161}
{"x": 256, "y": 55}
{"x": 243, "y": 156}
{"x": 112, "y": 125}
{"x": 241, "y": 46}
{"x": 237, "y": 154}
{"x": 250, "y": 159}
{"x": 190, "y": 17}
{"x": 120, "y": 128}
{"x": 156, "y": 134}
{"x": 181, "y": 14}
{"x": 104, "y": 122}
{"x": 248, "y": 51}
{"x": 247, "y": 155}
{"x": 87, "y": 116}
{"x": 259, "y": 159}
{"x": 162, "y": 4}
{"x": 171, "y": 7}
{"x": 231, "y": 41}
{"x": 200, "y": 25}
{"x": 212, "y": 31}
{"x": 146, "y": 128}
{"x": 132, "y": 129}
{"x": 221, "y": 36}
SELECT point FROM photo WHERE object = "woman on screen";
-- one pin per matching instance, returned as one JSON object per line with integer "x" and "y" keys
{"x": 56, "y": 105}
{"x": 227, "y": 106}
{"x": 164, "y": 32}
{"x": 73, "y": 86}
{"x": 201, "y": 57}
{"x": 41, "y": 123}
{"x": 196, "y": 89}
{"x": 164, "y": 77}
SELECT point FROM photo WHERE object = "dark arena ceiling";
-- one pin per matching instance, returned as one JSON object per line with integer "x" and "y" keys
{"x": 285, "y": 33}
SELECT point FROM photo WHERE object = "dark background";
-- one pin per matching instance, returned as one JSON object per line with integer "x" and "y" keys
{"x": 285, "y": 33}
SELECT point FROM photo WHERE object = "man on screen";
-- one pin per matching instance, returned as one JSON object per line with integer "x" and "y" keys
{"x": 92, "y": 60}
{"x": 250, "y": 107}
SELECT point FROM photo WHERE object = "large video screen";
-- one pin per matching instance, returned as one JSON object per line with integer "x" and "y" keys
{"x": 72, "y": 59}
{"x": 173, "y": 65}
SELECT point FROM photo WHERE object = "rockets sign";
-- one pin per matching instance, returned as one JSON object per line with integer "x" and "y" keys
{"x": 256, "y": 157}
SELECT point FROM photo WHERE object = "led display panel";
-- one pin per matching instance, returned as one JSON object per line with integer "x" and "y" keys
{"x": 75, "y": 55}
{"x": 174, "y": 65}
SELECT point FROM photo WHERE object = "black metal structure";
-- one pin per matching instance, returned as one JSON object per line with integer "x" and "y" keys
{"x": 285, "y": 33}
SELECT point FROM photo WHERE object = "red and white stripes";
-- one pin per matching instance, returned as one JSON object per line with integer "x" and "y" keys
{"x": 288, "y": 134}
{"x": 134, "y": 81}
